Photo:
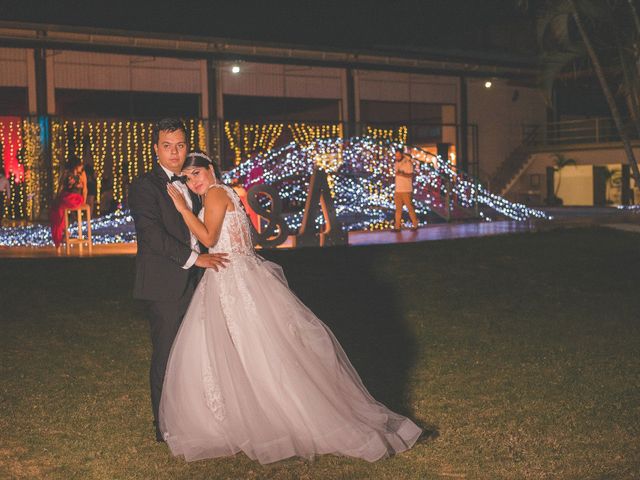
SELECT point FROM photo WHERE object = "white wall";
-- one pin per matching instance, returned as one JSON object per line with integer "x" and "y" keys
{"x": 407, "y": 87}
{"x": 574, "y": 185}
{"x": 272, "y": 80}
{"x": 500, "y": 118}
{"x": 103, "y": 71}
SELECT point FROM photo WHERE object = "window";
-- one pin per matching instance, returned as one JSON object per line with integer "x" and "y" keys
{"x": 14, "y": 101}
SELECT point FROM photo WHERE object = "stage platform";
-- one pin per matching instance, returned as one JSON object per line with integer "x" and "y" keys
{"x": 358, "y": 238}
{"x": 76, "y": 251}
{"x": 562, "y": 218}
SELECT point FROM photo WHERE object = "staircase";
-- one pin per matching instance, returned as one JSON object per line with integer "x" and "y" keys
{"x": 514, "y": 165}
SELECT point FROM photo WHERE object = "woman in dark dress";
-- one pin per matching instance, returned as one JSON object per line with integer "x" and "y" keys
{"x": 72, "y": 193}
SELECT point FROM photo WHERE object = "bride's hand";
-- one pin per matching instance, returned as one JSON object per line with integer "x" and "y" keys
{"x": 177, "y": 197}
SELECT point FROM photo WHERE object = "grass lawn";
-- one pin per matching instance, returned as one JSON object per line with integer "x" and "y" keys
{"x": 520, "y": 355}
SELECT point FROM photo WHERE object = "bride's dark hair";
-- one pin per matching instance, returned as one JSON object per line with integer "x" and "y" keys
{"x": 200, "y": 159}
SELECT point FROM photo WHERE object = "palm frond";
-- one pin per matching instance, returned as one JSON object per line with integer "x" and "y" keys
{"x": 552, "y": 25}
{"x": 551, "y": 65}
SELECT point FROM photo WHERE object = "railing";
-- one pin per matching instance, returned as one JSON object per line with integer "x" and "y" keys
{"x": 570, "y": 132}
{"x": 454, "y": 193}
{"x": 462, "y": 195}
{"x": 514, "y": 162}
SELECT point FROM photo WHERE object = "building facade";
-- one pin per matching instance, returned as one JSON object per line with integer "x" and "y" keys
{"x": 241, "y": 95}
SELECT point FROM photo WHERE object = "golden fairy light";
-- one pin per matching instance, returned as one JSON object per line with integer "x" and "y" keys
{"x": 388, "y": 134}
{"x": 248, "y": 139}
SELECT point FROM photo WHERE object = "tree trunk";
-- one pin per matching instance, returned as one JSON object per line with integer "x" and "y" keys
{"x": 636, "y": 44}
{"x": 557, "y": 189}
{"x": 630, "y": 83}
{"x": 607, "y": 93}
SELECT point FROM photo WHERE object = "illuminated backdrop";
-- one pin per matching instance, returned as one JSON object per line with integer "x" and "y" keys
{"x": 360, "y": 176}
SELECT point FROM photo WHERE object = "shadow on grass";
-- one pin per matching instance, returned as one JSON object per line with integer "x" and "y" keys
{"x": 343, "y": 287}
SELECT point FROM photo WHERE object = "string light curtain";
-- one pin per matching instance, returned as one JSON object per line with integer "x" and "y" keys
{"x": 249, "y": 139}
{"x": 304, "y": 134}
{"x": 388, "y": 134}
{"x": 23, "y": 167}
{"x": 120, "y": 150}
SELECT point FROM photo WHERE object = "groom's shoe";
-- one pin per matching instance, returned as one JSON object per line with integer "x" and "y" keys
{"x": 159, "y": 437}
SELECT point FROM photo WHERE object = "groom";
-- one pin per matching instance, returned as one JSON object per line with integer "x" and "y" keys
{"x": 168, "y": 255}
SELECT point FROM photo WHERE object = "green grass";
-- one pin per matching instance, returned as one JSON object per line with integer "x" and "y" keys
{"x": 519, "y": 354}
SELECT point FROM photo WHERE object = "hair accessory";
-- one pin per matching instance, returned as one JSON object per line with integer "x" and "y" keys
{"x": 201, "y": 155}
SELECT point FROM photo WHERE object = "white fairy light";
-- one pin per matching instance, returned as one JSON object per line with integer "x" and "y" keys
{"x": 360, "y": 171}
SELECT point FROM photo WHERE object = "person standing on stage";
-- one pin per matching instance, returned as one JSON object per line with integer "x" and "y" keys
{"x": 404, "y": 189}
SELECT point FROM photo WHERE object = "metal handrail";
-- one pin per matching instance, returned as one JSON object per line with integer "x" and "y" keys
{"x": 589, "y": 130}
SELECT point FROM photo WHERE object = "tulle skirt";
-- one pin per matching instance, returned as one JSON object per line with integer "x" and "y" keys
{"x": 254, "y": 370}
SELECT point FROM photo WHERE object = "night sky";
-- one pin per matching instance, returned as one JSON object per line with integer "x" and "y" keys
{"x": 466, "y": 26}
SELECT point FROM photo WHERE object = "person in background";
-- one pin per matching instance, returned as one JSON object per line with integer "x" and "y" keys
{"x": 72, "y": 193}
{"x": 404, "y": 189}
{"x": 92, "y": 187}
{"x": 107, "y": 203}
{"x": 5, "y": 192}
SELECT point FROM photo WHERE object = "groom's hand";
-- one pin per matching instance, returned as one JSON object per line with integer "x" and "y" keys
{"x": 212, "y": 260}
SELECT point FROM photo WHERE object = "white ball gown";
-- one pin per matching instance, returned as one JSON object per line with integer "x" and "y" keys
{"x": 254, "y": 370}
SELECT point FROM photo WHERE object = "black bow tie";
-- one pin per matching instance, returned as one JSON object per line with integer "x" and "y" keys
{"x": 178, "y": 178}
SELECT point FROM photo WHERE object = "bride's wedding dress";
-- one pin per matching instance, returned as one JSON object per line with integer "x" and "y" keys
{"x": 254, "y": 370}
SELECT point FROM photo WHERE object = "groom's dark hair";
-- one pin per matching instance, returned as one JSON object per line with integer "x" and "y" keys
{"x": 168, "y": 125}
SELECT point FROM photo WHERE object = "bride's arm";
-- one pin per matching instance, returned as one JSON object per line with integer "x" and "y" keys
{"x": 215, "y": 206}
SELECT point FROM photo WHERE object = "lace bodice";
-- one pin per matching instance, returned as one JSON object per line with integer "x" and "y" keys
{"x": 235, "y": 236}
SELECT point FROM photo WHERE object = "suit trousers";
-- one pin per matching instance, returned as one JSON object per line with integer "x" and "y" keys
{"x": 165, "y": 318}
{"x": 401, "y": 199}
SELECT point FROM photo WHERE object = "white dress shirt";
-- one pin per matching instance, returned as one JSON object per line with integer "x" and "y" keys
{"x": 195, "y": 247}
{"x": 404, "y": 184}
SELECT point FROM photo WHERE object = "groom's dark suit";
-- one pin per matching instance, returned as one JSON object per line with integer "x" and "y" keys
{"x": 164, "y": 246}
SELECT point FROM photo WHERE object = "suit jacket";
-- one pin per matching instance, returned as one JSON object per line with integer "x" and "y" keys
{"x": 164, "y": 241}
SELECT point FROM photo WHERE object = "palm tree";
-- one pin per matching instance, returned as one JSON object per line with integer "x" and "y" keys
{"x": 613, "y": 179}
{"x": 558, "y": 24}
{"x": 560, "y": 161}
{"x": 615, "y": 112}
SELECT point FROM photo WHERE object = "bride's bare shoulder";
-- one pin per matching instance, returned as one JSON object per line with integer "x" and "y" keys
{"x": 216, "y": 196}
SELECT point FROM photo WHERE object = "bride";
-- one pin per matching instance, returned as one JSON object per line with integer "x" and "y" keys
{"x": 252, "y": 369}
